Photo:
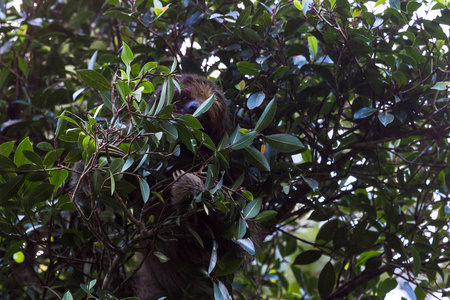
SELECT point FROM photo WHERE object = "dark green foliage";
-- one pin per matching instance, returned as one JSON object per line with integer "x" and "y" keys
{"x": 339, "y": 123}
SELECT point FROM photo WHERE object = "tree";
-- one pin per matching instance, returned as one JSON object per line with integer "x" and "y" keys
{"x": 340, "y": 121}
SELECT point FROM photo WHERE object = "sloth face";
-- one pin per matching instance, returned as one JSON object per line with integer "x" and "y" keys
{"x": 194, "y": 91}
{"x": 184, "y": 104}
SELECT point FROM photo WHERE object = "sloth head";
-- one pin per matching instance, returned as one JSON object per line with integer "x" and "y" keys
{"x": 194, "y": 91}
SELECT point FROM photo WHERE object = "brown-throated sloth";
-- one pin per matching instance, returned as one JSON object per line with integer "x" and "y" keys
{"x": 184, "y": 275}
{"x": 185, "y": 234}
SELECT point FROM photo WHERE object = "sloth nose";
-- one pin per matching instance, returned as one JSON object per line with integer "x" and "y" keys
{"x": 192, "y": 106}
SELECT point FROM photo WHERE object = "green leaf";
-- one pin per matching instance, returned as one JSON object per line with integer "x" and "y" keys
{"x": 327, "y": 279}
{"x": 247, "y": 195}
{"x": 266, "y": 215}
{"x": 174, "y": 66}
{"x": 94, "y": 80}
{"x": 256, "y": 158}
{"x": 420, "y": 293}
{"x": 221, "y": 206}
{"x": 240, "y": 86}
{"x": 51, "y": 156}
{"x": 10, "y": 188}
{"x": 211, "y": 175}
{"x": 386, "y": 286}
{"x": 137, "y": 94}
{"x": 44, "y": 146}
{"x": 313, "y": 184}
{"x": 41, "y": 193}
{"x": 116, "y": 165}
{"x": 327, "y": 231}
{"x": 231, "y": 265}
{"x": 243, "y": 16}
{"x": 213, "y": 260}
{"x": 394, "y": 4}
{"x": 412, "y": 52}
{"x": 356, "y": 12}
{"x": 3, "y": 74}
{"x": 241, "y": 229}
{"x": 166, "y": 112}
{"x": 385, "y": 118}
{"x": 13, "y": 248}
{"x": 284, "y": 142}
{"x": 365, "y": 256}
{"x": 23, "y": 66}
{"x": 267, "y": 116}
{"x": 189, "y": 121}
{"x": 244, "y": 141}
{"x": 145, "y": 189}
{"x": 19, "y": 157}
{"x": 170, "y": 130}
{"x": 255, "y": 100}
{"x": 247, "y": 68}
{"x": 147, "y": 87}
{"x": 92, "y": 60}
{"x": 204, "y": 106}
{"x": 150, "y": 66}
{"x": 74, "y": 155}
{"x": 313, "y": 44}
{"x": 143, "y": 159}
{"x": 113, "y": 182}
{"x": 252, "y": 209}
{"x": 126, "y": 55}
{"x": 6, "y": 148}
{"x": 221, "y": 292}
{"x": 186, "y": 137}
{"x": 164, "y": 70}
{"x": 365, "y": 112}
{"x": 68, "y": 119}
{"x": 92, "y": 284}
{"x": 7, "y": 163}
{"x": 106, "y": 98}
{"x": 298, "y": 5}
{"x": 163, "y": 98}
{"x": 400, "y": 78}
{"x": 88, "y": 146}
{"x": 196, "y": 236}
{"x": 123, "y": 88}
{"x": 417, "y": 262}
{"x": 128, "y": 163}
{"x": 247, "y": 245}
{"x": 251, "y": 36}
{"x": 380, "y": 2}
{"x": 441, "y": 86}
{"x": 33, "y": 157}
{"x": 121, "y": 14}
{"x": 57, "y": 178}
{"x": 67, "y": 296}
{"x": 307, "y": 257}
{"x": 412, "y": 6}
{"x": 160, "y": 11}
{"x": 161, "y": 257}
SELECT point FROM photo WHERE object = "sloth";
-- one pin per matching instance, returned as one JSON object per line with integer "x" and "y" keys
{"x": 184, "y": 274}
{"x": 174, "y": 264}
